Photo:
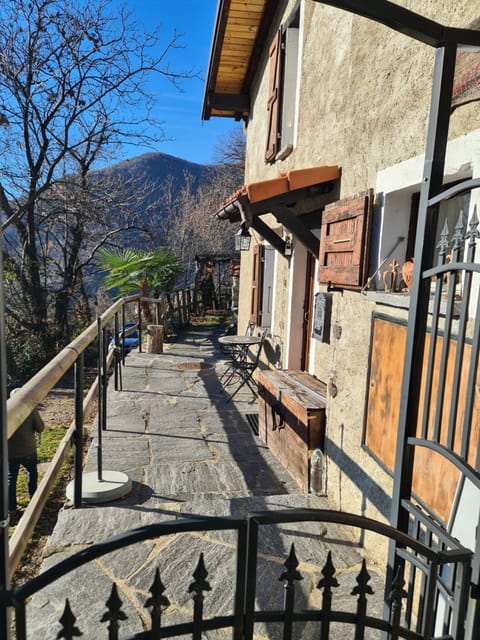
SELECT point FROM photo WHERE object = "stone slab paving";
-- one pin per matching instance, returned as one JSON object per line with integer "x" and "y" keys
{"x": 189, "y": 453}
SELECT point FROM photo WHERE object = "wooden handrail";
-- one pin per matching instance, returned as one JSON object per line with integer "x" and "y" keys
{"x": 31, "y": 394}
{"x": 25, "y": 527}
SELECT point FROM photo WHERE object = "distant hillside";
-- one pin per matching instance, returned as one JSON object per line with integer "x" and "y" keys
{"x": 157, "y": 166}
{"x": 146, "y": 176}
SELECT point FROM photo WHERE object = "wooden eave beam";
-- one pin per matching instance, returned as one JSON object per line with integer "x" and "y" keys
{"x": 236, "y": 103}
{"x": 294, "y": 224}
{"x": 216, "y": 47}
{"x": 269, "y": 234}
{"x": 222, "y": 43}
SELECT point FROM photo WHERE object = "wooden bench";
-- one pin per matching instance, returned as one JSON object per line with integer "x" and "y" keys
{"x": 291, "y": 418}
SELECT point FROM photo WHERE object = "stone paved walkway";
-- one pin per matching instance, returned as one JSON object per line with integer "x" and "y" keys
{"x": 189, "y": 453}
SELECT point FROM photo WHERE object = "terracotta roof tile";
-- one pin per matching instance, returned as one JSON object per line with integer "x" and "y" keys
{"x": 295, "y": 179}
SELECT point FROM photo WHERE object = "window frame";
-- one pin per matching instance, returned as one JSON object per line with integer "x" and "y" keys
{"x": 284, "y": 66}
{"x": 262, "y": 282}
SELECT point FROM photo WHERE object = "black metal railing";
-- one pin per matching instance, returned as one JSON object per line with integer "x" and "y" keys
{"x": 407, "y": 599}
{"x": 445, "y": 432}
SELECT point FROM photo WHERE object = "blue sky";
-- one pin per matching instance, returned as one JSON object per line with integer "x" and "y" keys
{"x": 180, "y": 113}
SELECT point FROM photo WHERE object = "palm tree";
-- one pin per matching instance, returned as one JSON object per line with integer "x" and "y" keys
{"x": 129, "y": 270}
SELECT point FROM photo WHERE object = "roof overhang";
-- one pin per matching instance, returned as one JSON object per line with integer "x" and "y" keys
{"x": 294, "y": 198}
{"x": 241, "y": 28}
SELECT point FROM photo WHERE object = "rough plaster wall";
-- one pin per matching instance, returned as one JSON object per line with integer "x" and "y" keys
{"x": 369, "y": 108}
{"x": 280, "y": 317}
{"x": 355, "y": 481}
{"x": 245, "y": 290}
{"x": 368, "y": 111}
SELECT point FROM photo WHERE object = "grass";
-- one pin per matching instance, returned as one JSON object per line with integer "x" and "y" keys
{"x": 211, "y": 319}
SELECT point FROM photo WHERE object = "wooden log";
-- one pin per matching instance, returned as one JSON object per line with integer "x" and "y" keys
{"x": 154, "y": 338}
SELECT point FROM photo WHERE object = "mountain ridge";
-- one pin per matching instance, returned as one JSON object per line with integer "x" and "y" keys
{"x": 157, "y": 163}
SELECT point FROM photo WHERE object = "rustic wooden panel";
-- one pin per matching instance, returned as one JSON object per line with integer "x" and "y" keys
{"x": 384, "y": 387}
{"x": 275, "y": 78}
{"x": 286, "y": 444}
{"x": 301, "y": 394}
{"x": 255, "y": 300}
{"x": 435, "y": 479}
{"x": 296, "y": 425}
{"x": 344, "y": 240}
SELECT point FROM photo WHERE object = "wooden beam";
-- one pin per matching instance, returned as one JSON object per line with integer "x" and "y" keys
{"x": 269, "y": 234}
{"x": 294, "y": 224}
{"x": 229, "y": 102}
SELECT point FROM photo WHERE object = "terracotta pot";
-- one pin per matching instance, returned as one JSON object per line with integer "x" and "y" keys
{"x": 407, "y": 274}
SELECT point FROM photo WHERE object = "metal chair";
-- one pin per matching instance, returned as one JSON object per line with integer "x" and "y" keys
{"x": 244, "y": 364}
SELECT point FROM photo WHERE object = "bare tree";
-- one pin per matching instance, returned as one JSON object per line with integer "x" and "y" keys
{"x": 194, "y": 229}
{"x": 230, "y": 149}
{"x": 72, "y": 87}
{"x": 73, "y": 221}
{"x": 192, "y": 226}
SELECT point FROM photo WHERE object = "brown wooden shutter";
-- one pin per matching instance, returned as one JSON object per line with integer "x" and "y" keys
{"x": 273, "y": 107}
{"x": 256, "y": 285}
{"x": 344, "y": 241}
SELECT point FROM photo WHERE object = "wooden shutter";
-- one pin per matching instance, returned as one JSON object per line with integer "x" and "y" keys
{"x": 256, "y": 285}
{"x": 344, "y": 241}
{"x": 274, "y": 103}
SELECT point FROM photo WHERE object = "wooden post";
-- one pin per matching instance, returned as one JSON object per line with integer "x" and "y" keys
{"x": 183, "y": 298}
{"x": 154, "y": 338}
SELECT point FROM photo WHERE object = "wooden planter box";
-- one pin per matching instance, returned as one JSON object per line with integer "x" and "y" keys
{"x": 291, "y": 419}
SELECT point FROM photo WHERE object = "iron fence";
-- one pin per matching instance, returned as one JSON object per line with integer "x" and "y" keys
{"x": 408, "y": 599}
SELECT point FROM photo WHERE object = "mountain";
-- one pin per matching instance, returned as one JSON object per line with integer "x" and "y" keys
{"x": 158, "y": 166}
{"x": 146, "y": 184}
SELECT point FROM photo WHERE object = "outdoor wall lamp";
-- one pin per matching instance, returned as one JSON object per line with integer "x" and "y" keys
{"x": 242, "y": 239}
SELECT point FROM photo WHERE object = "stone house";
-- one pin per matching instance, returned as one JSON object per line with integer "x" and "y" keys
{"x": 336, "y": 110}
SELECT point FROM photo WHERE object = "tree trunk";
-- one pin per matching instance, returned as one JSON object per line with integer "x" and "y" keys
{"x": 154, "y": 338}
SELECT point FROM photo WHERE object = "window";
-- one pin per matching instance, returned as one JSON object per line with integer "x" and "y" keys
{"x": 397, "y": 196}
{"x": 284, "y": 64}
{"x": 262, "y": 285}
{"x": 448, "y": 214}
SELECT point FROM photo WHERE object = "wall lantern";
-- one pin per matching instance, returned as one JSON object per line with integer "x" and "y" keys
{"x": 242, "y": 239}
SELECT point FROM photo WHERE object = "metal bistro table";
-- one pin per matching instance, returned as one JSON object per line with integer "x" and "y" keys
{"x": 242, "y": 361}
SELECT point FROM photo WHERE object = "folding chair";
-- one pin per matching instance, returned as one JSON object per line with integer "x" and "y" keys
{"x": 244, "y": 365}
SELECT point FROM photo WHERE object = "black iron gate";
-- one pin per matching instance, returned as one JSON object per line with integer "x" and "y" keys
{"x": 407, "y": 597}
